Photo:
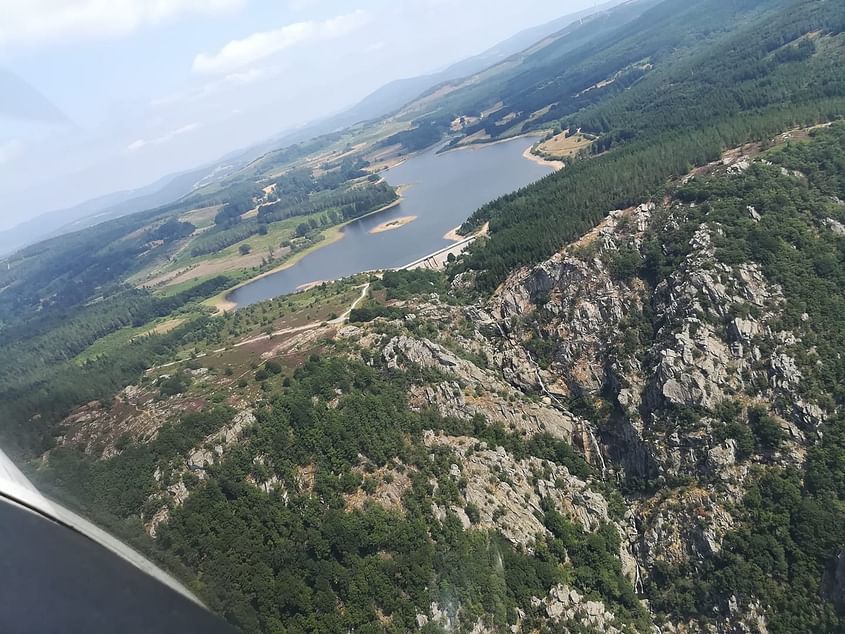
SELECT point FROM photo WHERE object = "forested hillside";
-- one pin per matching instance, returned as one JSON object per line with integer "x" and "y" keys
{"x": 531, "y": 459}
{"x": 59, "y": 297}
{"x": 620, "y": 411}
{"x": 765, "y": 76}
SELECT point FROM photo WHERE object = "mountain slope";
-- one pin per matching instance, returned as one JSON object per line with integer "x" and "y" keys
{"x": 537, "y": 63}
{"x": 396, "y": 94}
{"x": 45, "y": 226}
{"x": 648, "y": 415}
{"x": 739, "y": 85}
{"x": 620, "y": 412}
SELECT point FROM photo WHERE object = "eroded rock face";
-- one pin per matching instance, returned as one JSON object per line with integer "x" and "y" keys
{"x": 700, "y": 363}
{"x": 678, "y": 529}
{"x": 484, "y": 393}
{"x": 267, "y": 483}
{"x": 389, "y": 487}
{"x": 703, "y": 352}
{"x": 508, "y": 492}
{"x": 135, "y": 414}
{"x": 834, "y": 225}
{"x": 714, "y": 341}
{"x": 516, "y": 415}
{"x": 215, "y": 445}
{"x": 427, "y": 354}
{"x": 565, "y": 606}
{"x": 585, "y": 309}
{"x": 177, "y": 493}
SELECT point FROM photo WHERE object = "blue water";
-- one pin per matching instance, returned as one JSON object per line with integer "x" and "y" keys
{"x": 443, "y": 190}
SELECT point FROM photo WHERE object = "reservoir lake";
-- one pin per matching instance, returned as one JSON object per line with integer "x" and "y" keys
{"x": 441, "y": 190}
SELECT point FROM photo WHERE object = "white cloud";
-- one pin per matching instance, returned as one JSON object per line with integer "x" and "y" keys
{"x": 10, "y": 150}
{"x": 33, "y": 21}
{"x": 245, "y": 52}
{"x": 165, "y": 138}
{"x": 246, "y": 77}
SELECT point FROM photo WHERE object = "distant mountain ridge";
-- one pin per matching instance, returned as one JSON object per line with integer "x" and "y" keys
{"x": 384, "y": 101}
{"x": 397, "y": 93}
{"x": 91, "y": 212}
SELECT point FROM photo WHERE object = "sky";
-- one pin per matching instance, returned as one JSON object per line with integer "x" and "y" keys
{"x": 99, "y": 96}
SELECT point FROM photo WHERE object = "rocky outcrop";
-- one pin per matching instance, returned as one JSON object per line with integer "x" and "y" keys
{"x": 176, "y": 494}
{"x": 473, "y": 391}
{"x": 835, "y": 226}
{"x": 215, "y": 445}
{"x": 700, "y": 362}
{"x": 515, "y": 413}
{"x": 508, "y": 492}
{"x": 134, "y": 415}
{"x": 582, "y": 312}
{"x": 423, "y": 353}
{"x": 265, "y": 479}
{"x": 657, "y": 370}
{"x": 565, "y": 606}
{"x": 678, "y": 528}
{"x": 386, "y": 488}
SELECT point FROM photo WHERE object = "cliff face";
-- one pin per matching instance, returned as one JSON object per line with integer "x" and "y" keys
{"x": 646, "y": 375}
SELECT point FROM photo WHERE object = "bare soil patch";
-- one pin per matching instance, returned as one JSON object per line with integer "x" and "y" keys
{"x": 453, "y": 235}
{"x": 166, "y": 326}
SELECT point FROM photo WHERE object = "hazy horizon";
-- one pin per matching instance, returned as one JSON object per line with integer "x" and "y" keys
{"x": 105, "y": 97}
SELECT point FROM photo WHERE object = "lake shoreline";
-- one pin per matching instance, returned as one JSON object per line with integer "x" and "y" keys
{"x": 438, "y": 259}
{"x": 453, "y": 235}
{"x": 554, "y": 164}
{"x": 449, "y": 189}
{"x": 479, "y": 145}
{"x": 334, "y": 234}
{"x": 329, "y": 238}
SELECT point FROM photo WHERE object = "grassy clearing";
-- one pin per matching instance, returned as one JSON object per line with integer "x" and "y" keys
{"x": 175, "y": 289}
{"x": 201, "y": 218}
{"x": 241, "y": 269}
{"x": 277, "y": 233}
{"x": 166, "y": 326}
{"x": 564, "y": 145}
{"x": 116, "y": 341}
{"x": 357, "y": 136}
{"x": 110, "y": 343}
{"x": 187, "y": 271}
